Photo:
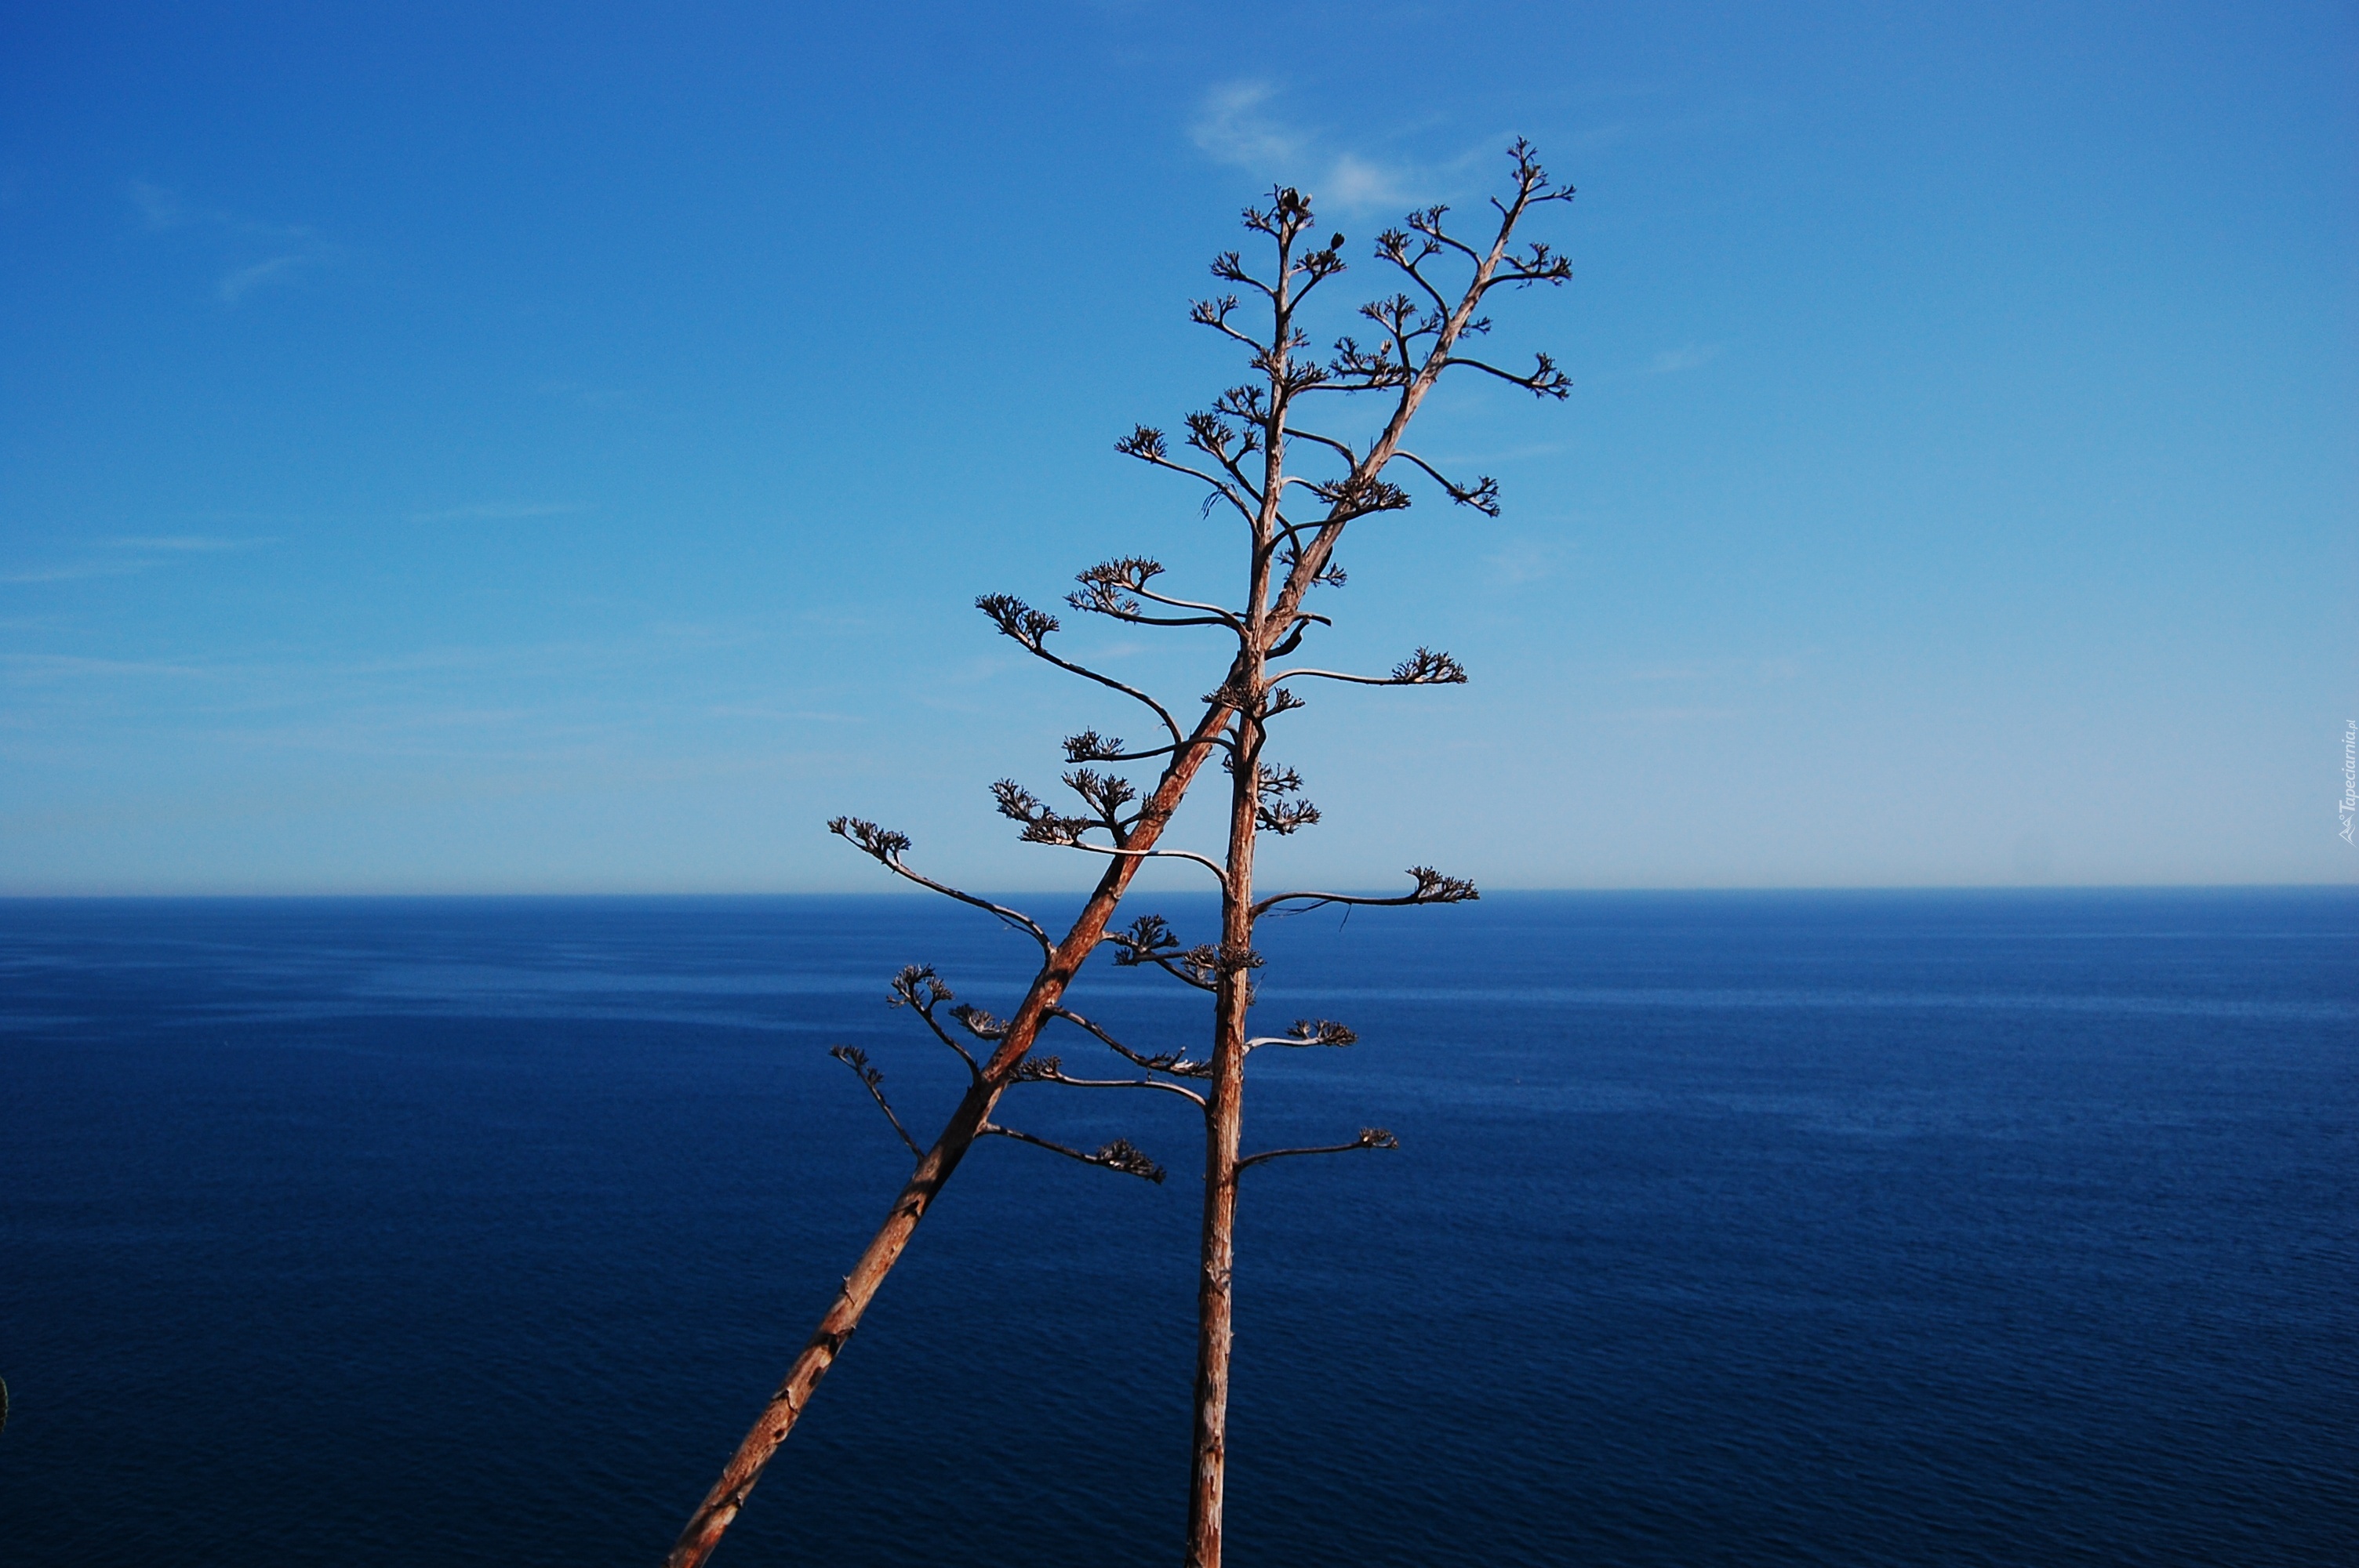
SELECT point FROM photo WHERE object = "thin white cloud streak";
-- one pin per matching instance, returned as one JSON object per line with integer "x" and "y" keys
{"x": 1235, "y": 125}
{"x": 164, "y": 546}
{"x": 1688, "y": 356}
{"x": 160, "y": 207}
{"x": 1766, "y": 668}
{"x": 238, "y": 282}
{"x": 1233, "y": 128}
{"x": 780, "y": 715}
{"x": 75, "y": 571}
{"x": 185, "y": 544}
{"x": 23, "y": 666}
{"x": 495, "y": 512}
{"x": 1526, "y": 561}
{"x": 299, "y": 247}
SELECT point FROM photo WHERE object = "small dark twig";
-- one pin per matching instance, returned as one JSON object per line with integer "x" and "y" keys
{"x": 1121, "y": 1154}
{"x": 1173, "y": 1062}
{"x": 853, "y": 1057}
{"x": 1431, "y": 887}
{"x": 1029, "y": 628}
{"x": 1369, "y": 1138}
{"x": 1310, "y": 1031}
{"x": 1052, "y": 1070}
{"x": 921, "y": 990}
{"x": 886, "y": 846}
{"x": 1426, "y": 666}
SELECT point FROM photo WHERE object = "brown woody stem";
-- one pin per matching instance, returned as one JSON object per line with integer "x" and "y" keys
{"x": 723, "y": 1503}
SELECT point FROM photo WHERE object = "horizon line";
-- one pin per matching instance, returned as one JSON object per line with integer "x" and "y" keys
{"x": 914, "y": 895}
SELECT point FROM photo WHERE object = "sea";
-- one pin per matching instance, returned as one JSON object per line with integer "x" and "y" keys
{"x": 1891, "y": 1227}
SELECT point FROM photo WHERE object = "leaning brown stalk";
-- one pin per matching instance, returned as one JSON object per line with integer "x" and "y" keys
{"x": 1257, "y": 692}
{"x": 778, "y": 1419}
{"x": 1419, "y": 346}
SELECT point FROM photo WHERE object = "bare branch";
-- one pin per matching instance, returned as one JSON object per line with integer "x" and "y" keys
{"x": 1545, "y": 381}
{"x": 1089, "y": 746}
{"x": 1303, "y": 624}
{"x": 1482, "y": 495}
{"x": 1145, "y": 443}
{"x": 1427, "y": 224}
{"x": 1204, "y": 860}
{"x": 1426, "y": 666}
{"x": 1341, "y": 448}
{"x": 1052, "y": 1070}
{"x": 1538, "y": 263}
{"x": 1214, "y": 313}
{"x": 1310, "y": 1031}
{"x": 1431, "y": 887}
{"x": 886, "y": 846}
{"x": 1285, "y": 817}
{"x": 1106, "y": 589}
{"x": 1213, "y": 435}
{"x": 1041, "y": 824}
{"x": 1272, "y": 812}
{"x": 1401, "y": 320}
{"x": 1230, "y": 269}
{"x": 853, "y": 1057}
{"x": 921, "y": 990}
{"x": 1369, "y": 1138}
{"x": 1149, "y": 941}
{"x": 1170, "y": 1062}
{"x": 1121, "y": 1154}
{"x": 1030, "y": 628}
{"x": 1357, "y": 496}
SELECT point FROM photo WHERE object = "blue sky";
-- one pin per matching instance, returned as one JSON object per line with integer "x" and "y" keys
{"x": 541, "y": 449}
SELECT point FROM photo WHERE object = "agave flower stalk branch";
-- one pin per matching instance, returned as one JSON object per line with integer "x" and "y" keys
{"x": 941, "y": 1160}
{"x": 1246, "y": 434}
{"x": 1369, "y": 1138}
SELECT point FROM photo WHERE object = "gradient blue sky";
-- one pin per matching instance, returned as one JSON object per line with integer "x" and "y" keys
{"x": 554, "y": 448}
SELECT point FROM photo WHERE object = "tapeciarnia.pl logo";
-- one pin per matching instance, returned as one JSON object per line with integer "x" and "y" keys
{"x": 2348, "y": 807}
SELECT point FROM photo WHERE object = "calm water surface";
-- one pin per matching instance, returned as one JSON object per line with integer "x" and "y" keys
{"x": 1890, "y": 1228}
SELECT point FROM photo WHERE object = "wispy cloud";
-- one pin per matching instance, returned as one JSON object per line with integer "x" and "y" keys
{"x": 163, "y": 210}
{"x": 137, "y": 554}
{"x": 496, "y": 512}
{"x": 1681, "y": 715}
{"x": 293, "y": 249}
{"x": 1688, "y": 356}
{"x": 35, "y": 666}
{"x": 1526, "y": 561}
{"x": 704, "y": 634}
{"x": 185, "y": 544}
{"x": 74, "y": 571}
{"x": 240, "y": 281}
{"x": 1236, "y": 125}
{"x": 1776, "y": 668}
{"x": 780, "y": 715}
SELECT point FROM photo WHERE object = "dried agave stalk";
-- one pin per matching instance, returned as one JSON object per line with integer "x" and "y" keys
{"x": 1242, "y": 446}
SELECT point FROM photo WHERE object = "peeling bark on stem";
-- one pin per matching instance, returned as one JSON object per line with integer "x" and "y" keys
{"x": 1268, "y": 626}
{"x": 1224, "y": 1127}
{"x": 723, "y": 1503}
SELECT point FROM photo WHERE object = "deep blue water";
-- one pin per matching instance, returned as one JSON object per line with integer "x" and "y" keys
{"x": 1873, "y": 1229}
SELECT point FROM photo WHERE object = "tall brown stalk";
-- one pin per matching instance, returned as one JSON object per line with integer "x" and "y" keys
{"x": 1242, "y": 443}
